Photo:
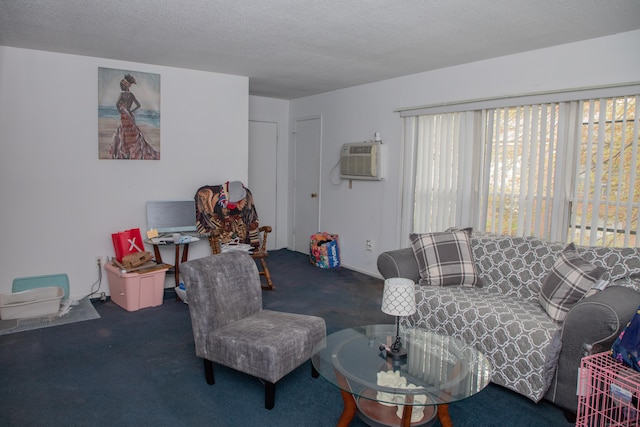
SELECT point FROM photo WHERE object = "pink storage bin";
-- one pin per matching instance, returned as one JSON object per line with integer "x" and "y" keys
{"x": 133, "y": 291}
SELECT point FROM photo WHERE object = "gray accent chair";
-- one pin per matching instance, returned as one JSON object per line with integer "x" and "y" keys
{"x": 231, "y": 328}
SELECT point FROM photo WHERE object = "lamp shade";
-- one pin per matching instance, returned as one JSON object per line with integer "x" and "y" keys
{"x": 399, "y": 297}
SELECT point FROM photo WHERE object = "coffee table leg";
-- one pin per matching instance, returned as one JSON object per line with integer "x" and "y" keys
{"x": 443, "y": 416}
{"x": 406, "y": 416}
{"x": 349, "y": 410}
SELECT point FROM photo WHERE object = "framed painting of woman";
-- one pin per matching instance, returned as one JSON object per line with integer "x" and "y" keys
{"x": 128, "y": 114}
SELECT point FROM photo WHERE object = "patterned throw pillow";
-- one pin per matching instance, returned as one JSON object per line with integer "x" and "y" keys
{"x": 445, "y": 258}
{"x": 568, "y": 281}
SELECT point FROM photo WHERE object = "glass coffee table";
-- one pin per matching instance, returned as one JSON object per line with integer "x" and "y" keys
{"x": 438, "y": 370}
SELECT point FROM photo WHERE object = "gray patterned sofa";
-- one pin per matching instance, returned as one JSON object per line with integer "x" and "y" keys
{"x": 502, "y": 315}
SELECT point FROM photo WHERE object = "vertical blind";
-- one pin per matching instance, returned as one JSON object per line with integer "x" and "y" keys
{"x": 445, "y": 189}
{"x": 436, "y": 187}
{"x": 606, "y": 195}
{"x": 522, "y": 165}
{"x": 558, "y": 170}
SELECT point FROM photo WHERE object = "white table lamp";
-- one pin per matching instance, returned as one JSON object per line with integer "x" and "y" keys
{"x": 398, "y": 299}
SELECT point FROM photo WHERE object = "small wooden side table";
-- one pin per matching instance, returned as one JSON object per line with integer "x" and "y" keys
{"x": 178, "y": 259}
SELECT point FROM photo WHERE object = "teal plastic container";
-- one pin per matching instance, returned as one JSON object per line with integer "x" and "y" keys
{"x": 34, "y": 282}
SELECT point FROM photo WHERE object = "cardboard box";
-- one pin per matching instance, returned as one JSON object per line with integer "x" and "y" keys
{"x": 37, "y": 302}
{"x": 133, "y": 291}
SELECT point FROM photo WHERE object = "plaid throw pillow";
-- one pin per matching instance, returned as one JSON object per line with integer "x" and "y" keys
{"x": 445, "y": 258}
{"x": 568, "y": 281}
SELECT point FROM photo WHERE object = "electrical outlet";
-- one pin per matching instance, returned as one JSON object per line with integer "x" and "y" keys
{"x": 99, "y": 261}
{"x": 368, "y": 245}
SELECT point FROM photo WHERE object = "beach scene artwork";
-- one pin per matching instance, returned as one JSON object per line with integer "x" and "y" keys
{"x": 128, "y": 115}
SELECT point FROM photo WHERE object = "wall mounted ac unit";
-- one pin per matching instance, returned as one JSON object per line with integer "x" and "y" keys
{"x": 362, "y": 160}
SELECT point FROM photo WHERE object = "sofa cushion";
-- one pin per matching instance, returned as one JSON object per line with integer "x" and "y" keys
{"x": 513, "y": 266}
{"x": 568, "y": 281}
{"x": 619, "y": 263}
{"x": 444, "y": 258}
{"x": 515, "y": 334}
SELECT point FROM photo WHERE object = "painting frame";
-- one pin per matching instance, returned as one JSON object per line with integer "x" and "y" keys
{"x": 128, "y": 114}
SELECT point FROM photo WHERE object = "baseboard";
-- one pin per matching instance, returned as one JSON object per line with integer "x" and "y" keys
{"x": 359, "y": 270}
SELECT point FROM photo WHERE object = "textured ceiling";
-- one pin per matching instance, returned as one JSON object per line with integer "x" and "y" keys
{"x": 295, "y": 48}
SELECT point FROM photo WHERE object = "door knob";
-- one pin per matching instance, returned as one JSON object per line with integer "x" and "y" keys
{"x": 314, "y": 195}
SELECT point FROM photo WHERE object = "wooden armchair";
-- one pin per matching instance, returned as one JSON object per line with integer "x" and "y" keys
{"x": 226, "y": 213}
{"x": 260, "y": 253}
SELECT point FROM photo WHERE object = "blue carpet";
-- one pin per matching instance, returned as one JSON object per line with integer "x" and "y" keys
{"x": 139, "y": 368}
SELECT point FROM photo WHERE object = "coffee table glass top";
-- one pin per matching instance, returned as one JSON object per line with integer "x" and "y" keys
{"x": 443, "y": 369}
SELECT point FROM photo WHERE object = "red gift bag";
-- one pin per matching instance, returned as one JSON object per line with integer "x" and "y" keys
{"x": 127, "y": 242}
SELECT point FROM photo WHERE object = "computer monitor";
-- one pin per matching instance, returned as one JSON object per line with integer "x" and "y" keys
{"x": 172, "y": 216}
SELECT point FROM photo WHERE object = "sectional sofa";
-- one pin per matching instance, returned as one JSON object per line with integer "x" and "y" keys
{"x": 514, "y": 298}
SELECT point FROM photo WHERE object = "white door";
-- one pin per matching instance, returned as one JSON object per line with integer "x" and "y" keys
{"x": 263, "y": 144}
{"x": 307, "y": 182}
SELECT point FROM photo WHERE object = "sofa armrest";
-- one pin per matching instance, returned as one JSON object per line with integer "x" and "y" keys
{"x": 399, "y": 263}
{"x": 590, "y": 327}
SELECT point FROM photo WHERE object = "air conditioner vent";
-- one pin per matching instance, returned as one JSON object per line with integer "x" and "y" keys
{"x": 362, "y": 160}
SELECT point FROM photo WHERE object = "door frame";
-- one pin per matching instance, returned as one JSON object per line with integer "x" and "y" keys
{"x": 295, "y": 168}
{"x": 273, "y": 237}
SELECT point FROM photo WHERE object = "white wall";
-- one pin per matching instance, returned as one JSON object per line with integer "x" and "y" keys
{"x": 60, "y": 203}
{"x": 277, "y": 111}
{"x": 371, "y": 210}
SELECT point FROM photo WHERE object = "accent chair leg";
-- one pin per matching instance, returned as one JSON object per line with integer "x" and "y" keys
{"x": 269, "y": 394}
{"x": 208, "y": 372}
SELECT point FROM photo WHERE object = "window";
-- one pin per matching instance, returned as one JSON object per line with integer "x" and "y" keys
{"x": 606, "y": 192}
{"x": 565, "y": 171}
{"x": 446, "y": 164}
{"x": 521, "y": 150}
